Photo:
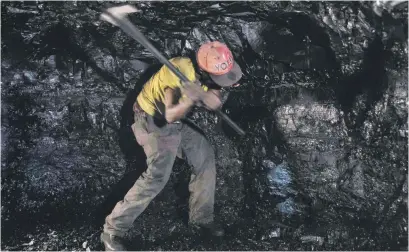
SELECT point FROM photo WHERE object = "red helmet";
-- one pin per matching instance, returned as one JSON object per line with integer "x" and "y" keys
{"x": 217, "y": 59}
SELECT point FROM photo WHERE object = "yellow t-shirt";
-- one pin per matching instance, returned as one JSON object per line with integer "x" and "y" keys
{"x": 151, "y": 98}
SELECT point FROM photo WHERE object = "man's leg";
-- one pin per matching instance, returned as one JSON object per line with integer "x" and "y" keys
{"x": 160, "y": 149}
{"x": 200, "y": 155}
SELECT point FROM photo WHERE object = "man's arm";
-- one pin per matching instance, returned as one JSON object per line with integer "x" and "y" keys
{"x": 212, "y": 99}
{"x": 216, "y": 92}
{"x": 177, "y": 111}
{"x": 195, "y": 93}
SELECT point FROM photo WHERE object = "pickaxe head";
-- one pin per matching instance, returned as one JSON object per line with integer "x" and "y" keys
{"x": 111, "y": 14}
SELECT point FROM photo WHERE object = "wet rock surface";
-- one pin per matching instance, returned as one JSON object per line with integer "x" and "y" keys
{"x": 323, "y": 101}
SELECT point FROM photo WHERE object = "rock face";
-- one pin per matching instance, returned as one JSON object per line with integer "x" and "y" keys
{"x": 323, "y": 101}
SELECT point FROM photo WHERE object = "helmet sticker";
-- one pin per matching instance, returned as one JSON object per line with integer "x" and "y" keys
{"x": 224, "y": 65}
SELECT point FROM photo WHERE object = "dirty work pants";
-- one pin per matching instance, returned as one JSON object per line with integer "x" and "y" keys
{"x": 161, "y": 146}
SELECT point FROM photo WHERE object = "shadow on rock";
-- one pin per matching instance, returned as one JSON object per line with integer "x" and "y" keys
{"x": 132, "y": 151}
{"x": 369, "y": 84}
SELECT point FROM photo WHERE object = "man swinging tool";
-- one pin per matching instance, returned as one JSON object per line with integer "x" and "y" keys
{"x": 163, "y": 101}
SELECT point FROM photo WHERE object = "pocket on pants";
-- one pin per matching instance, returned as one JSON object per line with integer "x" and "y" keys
{"x": 140, "y": 130}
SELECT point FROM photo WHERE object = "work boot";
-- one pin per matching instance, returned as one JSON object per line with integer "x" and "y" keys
{"x": 112, "y": 242}
{"x": 211, "y": 228}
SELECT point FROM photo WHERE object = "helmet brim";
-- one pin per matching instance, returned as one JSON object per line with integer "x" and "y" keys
{"x": 230, "y": 78}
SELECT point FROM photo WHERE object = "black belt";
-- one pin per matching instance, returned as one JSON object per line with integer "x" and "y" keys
{"x": 137, "y": 109}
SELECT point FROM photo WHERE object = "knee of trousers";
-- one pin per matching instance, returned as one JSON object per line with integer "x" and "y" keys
{"x": 156, "y": 183}
{"x": 146, "y": 187}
